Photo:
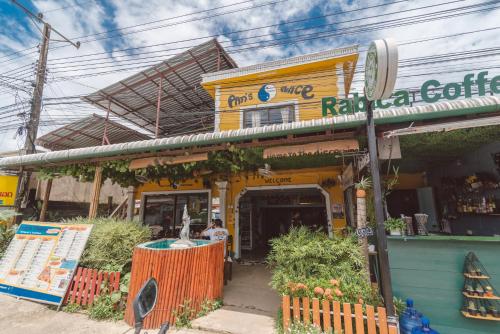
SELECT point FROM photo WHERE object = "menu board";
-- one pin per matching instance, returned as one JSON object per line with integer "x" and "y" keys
{"x": 41, "y": 259}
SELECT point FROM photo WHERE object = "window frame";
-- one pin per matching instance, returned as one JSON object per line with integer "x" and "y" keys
{"x": 291, "y": 103}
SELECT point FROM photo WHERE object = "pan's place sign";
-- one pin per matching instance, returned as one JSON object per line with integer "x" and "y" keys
{"x": 430, "y": 92}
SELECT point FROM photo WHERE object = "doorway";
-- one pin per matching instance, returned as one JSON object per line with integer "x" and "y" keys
{"x": 265, "y": 214}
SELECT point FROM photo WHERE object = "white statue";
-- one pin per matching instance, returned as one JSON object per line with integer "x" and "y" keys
{"x": 184, "y": 241}
{"x": 186, "y": 220}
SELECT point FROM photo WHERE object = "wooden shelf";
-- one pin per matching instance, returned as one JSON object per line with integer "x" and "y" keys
{"x": 480, "y": 297}
{"x": 479, "y": 317}
{"x": 474, "y": 276}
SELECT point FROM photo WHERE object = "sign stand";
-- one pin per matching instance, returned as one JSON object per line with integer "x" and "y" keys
{"x": 381, "y": 68}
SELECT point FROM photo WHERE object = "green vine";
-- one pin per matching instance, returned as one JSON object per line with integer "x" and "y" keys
{"x": 221, "y": 163}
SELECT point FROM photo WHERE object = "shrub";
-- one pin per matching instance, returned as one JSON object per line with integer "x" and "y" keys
{"x": 105, "y": 308}
{"x": 307, "y": 263}
{"x": 111, "y": 243}
{"x": 6, "y": 235}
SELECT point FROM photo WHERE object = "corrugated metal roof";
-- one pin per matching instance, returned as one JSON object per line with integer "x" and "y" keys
{"x": 87, "y": 132}
{"x": 185, "y": 106}
{"x": 487, "y": 104}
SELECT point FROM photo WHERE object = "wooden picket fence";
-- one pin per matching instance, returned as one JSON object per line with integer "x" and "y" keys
{"x": 87, "y": 284}
{"x": 336, "y": 317}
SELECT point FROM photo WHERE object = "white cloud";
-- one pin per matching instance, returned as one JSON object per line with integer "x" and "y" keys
{"x": 91, "y": 17}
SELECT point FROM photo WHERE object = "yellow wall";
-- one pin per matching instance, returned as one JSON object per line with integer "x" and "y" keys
{"x": 237, "y": 183}
{"x": 236, "y": 94}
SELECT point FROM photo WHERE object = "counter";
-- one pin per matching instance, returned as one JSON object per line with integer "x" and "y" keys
{"x": 429, "y": 269}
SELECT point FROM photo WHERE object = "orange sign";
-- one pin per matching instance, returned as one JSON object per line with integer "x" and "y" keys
{"x": 326, "y": 147}
{"x": 159, "y": 161}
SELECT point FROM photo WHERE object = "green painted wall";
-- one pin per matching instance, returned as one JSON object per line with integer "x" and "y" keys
{"x": 429, "y": 270}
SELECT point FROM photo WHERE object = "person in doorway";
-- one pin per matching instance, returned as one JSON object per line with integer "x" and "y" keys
{"x": 215, "y": 231}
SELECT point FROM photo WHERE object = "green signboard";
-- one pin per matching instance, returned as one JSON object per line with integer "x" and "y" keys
{"x": 429, "y": 92}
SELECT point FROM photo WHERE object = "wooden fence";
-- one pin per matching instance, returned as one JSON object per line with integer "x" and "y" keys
{"x": 87, "y": 284}
{"x": 336, "y": 317}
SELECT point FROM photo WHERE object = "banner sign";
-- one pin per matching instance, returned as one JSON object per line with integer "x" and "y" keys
{"x": 8, "y": 188}
{"x": 160, "y": 161}
{"x": 364, "y": 232}
{"x": 347, "y": 177}
{"x": 326, "y": 147}
{"x": 41, "y": 259}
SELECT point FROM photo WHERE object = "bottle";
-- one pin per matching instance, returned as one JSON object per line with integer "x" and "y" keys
{"x": 410, "y": 318}
{"x": 425, "y": 328}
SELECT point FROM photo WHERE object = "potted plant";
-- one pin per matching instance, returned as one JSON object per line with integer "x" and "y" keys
{"x": 493, "y": 310}
{"x": 489, "y": 291}
{"x": 469, "y": 289}
{"x": 482, "y": 311}
{"x": 395, "y": 225}
{"x": 472, "y": 308}
{"x": 479, "y": 290}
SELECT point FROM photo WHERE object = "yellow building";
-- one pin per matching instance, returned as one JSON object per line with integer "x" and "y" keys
{"x": 256, "y": 207}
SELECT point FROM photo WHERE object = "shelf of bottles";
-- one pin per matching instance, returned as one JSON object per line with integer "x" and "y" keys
{"x": 481, "y": 300}
{"x": 477, "y": 194}
{"x": 480, "y": 204}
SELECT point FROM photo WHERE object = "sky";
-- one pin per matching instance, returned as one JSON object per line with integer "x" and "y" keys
{"x": 119, "y": 37}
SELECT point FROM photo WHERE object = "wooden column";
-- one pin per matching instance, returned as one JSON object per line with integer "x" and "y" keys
{"x": 96, "y": 192}
{"x": 130, "y": 203}
{"x": 45, "y": 203}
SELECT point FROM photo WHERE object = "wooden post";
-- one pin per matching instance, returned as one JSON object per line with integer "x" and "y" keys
{"x": 96, "y": 192}
{"x": 45, "y": 203}
{"x": 130, "y": 203}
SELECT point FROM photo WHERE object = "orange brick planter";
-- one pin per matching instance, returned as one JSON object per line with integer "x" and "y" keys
{"x": 336, "y": 317}
{"x": 191, "y": 274}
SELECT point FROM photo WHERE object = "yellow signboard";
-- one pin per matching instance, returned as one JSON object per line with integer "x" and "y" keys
{"x": 8, "y": 188}
{"x": 303, "y": 92}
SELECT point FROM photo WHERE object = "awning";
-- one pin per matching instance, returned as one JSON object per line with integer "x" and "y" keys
{"x": 87, "y": 132}
{"x": 185, "y": 106}
{"x": 474, "y": 106}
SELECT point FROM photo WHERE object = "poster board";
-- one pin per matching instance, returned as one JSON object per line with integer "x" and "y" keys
{"x": 41, "y": 260}
{"x": 8, "y": 188}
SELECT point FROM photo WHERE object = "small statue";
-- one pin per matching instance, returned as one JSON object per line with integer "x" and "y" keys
{"x": 186, "y": 220}
{"x": 184, "y": 241}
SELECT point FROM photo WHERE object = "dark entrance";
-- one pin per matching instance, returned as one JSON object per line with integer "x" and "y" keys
{"x": 265, "y": 214}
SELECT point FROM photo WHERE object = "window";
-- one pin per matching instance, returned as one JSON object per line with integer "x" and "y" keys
{"x": 163, "y": 212}
{"x": 266, "y": 116}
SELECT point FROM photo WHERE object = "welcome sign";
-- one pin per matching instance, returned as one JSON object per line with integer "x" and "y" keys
{"x": 429, "y": 92}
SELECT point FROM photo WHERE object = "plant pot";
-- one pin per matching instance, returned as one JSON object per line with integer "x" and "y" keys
{"x": 494, "y": 312}
{"x": 472, "y": 308}
{"x": 395, "y": 232}
{"x": 482, "y": 311}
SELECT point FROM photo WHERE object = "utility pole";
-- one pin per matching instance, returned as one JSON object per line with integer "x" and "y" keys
{"x": 36, "y": 103}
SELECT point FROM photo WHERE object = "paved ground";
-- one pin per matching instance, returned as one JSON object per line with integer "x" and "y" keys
{"x": 250, "y": 306}
{"x": 249, "y": 290}
{"x": 25, "y": 317}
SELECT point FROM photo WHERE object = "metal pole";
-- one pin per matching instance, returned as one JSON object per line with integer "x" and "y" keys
{"x": 383, "y": 257}
{"x": 158, "y": 108}
{"x": 32, "y": 126}
{"x": 105, "y": 139}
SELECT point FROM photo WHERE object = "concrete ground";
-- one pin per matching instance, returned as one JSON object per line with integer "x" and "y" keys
{"x": 250, "y": 306}
{"x": 19, "y": 316}
{"x": 249, "y": 290}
